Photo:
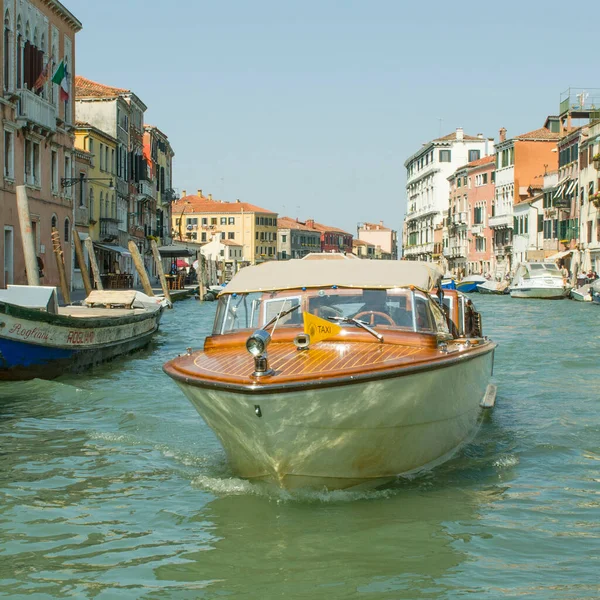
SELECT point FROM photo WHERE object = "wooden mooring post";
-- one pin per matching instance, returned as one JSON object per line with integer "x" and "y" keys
{"x": 200, "y": 275}
{"x": 85, "y": 275}
{"x": 31, "y": 264}
{"x": 161, "y": 271}
{"x": 94, "y": 263}
{"x": 60, "y": 265}
{"x": 140, "y": 268}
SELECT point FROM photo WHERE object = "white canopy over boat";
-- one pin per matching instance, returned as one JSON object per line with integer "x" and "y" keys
{"x": 366, "y": 274}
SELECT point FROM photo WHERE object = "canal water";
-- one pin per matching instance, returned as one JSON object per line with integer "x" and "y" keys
{"x": 111, "y": 486}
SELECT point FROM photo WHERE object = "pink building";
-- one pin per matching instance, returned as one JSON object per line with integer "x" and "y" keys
{"x": 468, "y": 247}
{"x": 38, "y": 145}
{"x": 384, "y": 239}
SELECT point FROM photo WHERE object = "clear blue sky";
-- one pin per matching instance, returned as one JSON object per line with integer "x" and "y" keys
{"x": 311, "y": 107}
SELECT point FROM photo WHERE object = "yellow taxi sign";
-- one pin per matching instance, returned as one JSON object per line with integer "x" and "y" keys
{"x": 319, "y": 329}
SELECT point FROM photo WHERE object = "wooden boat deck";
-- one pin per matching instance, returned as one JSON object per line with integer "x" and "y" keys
{"x": 232, "y": 365}
{"x": 84, "y": 312}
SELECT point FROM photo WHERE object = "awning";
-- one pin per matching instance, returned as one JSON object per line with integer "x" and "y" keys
{"x": 113, "y": 248}
{"x": 571, "y": 186}
{"x": 558, "y": 192}
{"x": 174, "y": 251}
{"x": 559, "y": 255}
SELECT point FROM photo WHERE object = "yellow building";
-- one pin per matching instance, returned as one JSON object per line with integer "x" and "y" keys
{"x": 197, "y": 218}
{"x": 97, "y": 191}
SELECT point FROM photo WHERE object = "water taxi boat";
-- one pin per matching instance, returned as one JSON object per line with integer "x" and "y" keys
{"x": 538, "y": 280}
{"x": 338, "y": 373}
{"x": 39, "y": 339}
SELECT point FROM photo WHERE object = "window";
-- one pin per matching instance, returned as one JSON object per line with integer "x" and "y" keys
{"x": 81, "y": 190}
{"x": 474, "y": 155}
{"x": 67, "y": 174}
{"x": 203, "y": 236}
{"x": 445, "y": 156}
{"x": 284, "y": 238}
{"x": 231, "y": 235}
{"x": 6, "y": 49}
{"x": 222, "y": 235}
{"x": 231, "y": 221}
{"x": 67, "y": 230}
{"x": 54, "y": 222}
{"x": 223, "y": 220}
{"x": 54, "y": 171}
{"x": 9, "y": 155}
{"x": 213, "y": 221}
{"x": 37, "y": 178}
{"x": 102, "y": 157}
{"x": 204, "y": 221}
{"x": 484, "y": 179}
{"x": 91, "y": 215}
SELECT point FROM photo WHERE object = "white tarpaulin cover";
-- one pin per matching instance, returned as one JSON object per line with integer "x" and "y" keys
{"x": 369, "y": 274}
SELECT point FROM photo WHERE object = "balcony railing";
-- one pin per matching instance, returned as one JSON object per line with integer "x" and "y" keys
{"x": 501, "y": 221}
{"x": 109, "y": 228}
{"x": 146, "y": 189}
{"x": 35, "y": 109}
{"x": 477, "y": 229}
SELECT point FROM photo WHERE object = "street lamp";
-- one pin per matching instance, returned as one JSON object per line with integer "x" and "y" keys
{"x": 71, "y": 181}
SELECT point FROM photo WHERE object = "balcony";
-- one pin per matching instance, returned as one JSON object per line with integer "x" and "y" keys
{"x": 146, "y": 190}
{"x": 459, "y": 250}
{"x": 109, "y": 228}
{"x": 36, "y": 110}
{"x": 477, "y": 229}
{"x": 500, "y": 221}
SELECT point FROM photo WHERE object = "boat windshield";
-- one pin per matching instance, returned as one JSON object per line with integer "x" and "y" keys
{"x": 544, "y": 270}
{"x": 376, "y": 308}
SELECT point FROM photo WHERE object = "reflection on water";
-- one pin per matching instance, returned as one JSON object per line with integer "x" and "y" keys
{"x": 112, "y": 486}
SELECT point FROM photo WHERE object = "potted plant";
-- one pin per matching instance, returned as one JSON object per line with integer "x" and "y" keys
{"x": 595, "y": 199}
{"x": 596, "y": 159}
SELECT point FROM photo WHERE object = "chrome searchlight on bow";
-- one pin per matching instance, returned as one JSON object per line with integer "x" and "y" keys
{"x": 257, "y": 345}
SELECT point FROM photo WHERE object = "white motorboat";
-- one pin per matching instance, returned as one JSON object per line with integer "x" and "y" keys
{"x": 538, "y": 280}
{"x": 365, "y": 376}
{"x": 586, "y": 292}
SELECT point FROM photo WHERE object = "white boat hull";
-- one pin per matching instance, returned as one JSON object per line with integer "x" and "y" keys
{"x": 340, "y": 437}
{"x": 548, "y": 293}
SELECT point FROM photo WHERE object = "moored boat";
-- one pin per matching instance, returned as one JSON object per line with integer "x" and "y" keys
{"x": 469, "y": 283}
{"x": 338, "y": 374}
{"x": 493, "y": 287}
{"x": 538, "y": 280}
{"x": 39, "y": 339}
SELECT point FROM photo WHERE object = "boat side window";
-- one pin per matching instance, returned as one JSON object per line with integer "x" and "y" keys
{"x": 425, "y": 321}
{"x": 235, "y": 312}
{"x": 273, "y": 307}
{"x": 441, "y": 325}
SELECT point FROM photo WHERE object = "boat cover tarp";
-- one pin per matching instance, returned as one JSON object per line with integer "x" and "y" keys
{"x": 369, "y": 274}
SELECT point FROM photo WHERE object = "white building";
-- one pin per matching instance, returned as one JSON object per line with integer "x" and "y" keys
{"x": 220, "y": 249}
{"x": 528, "y": 230}
{"x": 427, "y": 187}
{"x": 589, "y": 188}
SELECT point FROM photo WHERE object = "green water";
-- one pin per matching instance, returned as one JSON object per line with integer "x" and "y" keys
{"x": 111, "y": 486}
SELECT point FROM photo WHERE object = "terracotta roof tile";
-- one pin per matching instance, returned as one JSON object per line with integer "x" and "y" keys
{"x": 375, "y": 227}
{"x": 541, "y": 134}
{"x": 86, "y": 88}
{"x": 321, "y": 227}
{"x": 452, "y": 136}
{"x": 289, "y": 223}
{"x": 201, "y": 204}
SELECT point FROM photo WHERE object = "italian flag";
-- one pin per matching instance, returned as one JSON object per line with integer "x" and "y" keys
{"x": 61, "y": 78}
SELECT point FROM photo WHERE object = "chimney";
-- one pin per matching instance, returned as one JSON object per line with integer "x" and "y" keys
{"x": 237, "y": 200}
{"x": 502, "y": 134}
{"x": 210, "y": 196}
{"x": 310, "y": 223}
{"x": 381, "y": 223}
{"x": 459, "y": 134}
{"x": 200, "y": 193}
{"x": 480, "y": 136}
{"x": 183, "y": 193}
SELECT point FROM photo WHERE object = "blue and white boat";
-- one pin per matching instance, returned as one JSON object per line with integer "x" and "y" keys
{"x": 39, "y": 339}
{"x": 469, "y": 283}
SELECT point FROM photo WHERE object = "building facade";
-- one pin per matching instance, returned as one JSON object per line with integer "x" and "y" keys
{"x": 427, "y": 187}
{"x": 589, "y": 191}
{"x": 295, "y": 239}
{"x": 37, "y": 149}
{"x": 520, "y": 163}
{"x": 197, "y": 218}
{"x": 382, "y": 238}
{"x": 333, "y": 239}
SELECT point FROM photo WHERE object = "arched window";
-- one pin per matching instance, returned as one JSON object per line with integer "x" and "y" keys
{"x": 19, "y": 50}
{"x": 92, "y": 216}
{"x": 6, "y": 50}
{"x": 67, "y": 230}
{"x": 101, "y": 205}
{"x": 54, "y": 222}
